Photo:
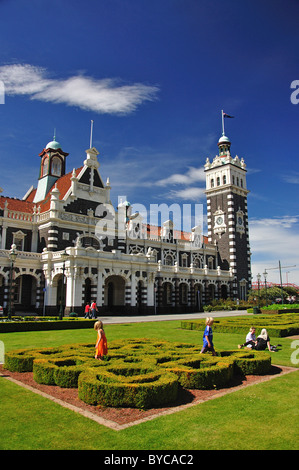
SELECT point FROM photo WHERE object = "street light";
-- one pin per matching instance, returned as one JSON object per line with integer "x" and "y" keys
{"x": 265, "y": 277}
{"x": 258, "y": 286}
{"x": 12, "y": 256}
{"x": 64, "y": 255}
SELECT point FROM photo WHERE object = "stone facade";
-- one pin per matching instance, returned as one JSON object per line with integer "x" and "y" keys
{"x": 74, "y": 247}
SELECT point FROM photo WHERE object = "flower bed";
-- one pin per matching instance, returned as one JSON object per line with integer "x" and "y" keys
{"x": 137, "y": 373}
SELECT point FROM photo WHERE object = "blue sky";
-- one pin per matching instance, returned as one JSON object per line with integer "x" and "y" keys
{"x": 154, "y": 77}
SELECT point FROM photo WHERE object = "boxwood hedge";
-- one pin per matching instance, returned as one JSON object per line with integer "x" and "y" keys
{"x": 277, "y": 326}
{"x": 139, "y": 373}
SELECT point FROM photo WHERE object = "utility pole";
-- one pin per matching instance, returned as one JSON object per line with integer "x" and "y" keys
{"x": 280, "y": 268}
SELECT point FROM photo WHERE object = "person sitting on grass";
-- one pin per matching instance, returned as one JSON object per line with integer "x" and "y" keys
{"x": 208, "y": 337}
{"x": 263, "y": 342}
{"x": 250, "y": 341}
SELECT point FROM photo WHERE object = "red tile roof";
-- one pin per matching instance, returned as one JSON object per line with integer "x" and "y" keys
{"x": 63, "y": 184}
{"x": 16, "y": 205}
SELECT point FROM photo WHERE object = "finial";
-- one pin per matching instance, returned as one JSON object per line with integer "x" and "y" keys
{"x": 54, "y": 136}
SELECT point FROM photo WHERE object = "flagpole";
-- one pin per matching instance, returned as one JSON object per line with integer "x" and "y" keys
{"x": 222, "y": 122}
{"x": 91, "y": 128}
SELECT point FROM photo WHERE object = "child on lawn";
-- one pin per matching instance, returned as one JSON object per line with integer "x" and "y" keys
{"x": 101, "y": 344}
{"x": 208, "y": 337}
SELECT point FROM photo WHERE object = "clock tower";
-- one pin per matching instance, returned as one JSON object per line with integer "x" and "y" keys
{"x": 226, "y": 193}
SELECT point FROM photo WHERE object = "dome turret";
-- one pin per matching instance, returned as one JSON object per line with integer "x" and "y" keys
{"x": 53, "y": 144}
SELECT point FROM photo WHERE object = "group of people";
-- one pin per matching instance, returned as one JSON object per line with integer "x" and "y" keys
{"x": 91, "y": 311}
{"x": 259, "y": 344}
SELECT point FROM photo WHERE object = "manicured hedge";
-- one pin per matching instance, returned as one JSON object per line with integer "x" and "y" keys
{"x": 45, "y": 325}
{"x": 136, "y": 373}
{"x": 150, "y": 387}
{"x": 277, "y": 326}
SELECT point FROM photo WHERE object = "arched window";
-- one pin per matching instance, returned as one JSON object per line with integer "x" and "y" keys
{"x": 56, "y": 166}
{"x": 224, "y": 179}
{"x": 45, "y": 166}
{"x": 168, "y": 260}
{"x": 218, "y": 181}
{"x": 212, "y": 183}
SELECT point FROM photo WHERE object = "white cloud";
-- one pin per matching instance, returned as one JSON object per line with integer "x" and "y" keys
{"x": 193, "y": 175}
{"x": 192, "y": 194}
{"x": 274, "y": 240}
{"x": 100, "y": 96}
{"x": 293, "y": 178}
{"x": 188, "y": 179}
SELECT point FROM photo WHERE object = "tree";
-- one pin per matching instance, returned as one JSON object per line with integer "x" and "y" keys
{"x": 271, "y": 294}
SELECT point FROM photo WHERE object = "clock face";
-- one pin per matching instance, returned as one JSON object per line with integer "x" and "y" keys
{"x": 219, "y": 220}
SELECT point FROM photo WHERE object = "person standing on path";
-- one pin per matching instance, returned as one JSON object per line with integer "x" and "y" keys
{"x": 87, "y": 310}
{"x": 94, "y": 309}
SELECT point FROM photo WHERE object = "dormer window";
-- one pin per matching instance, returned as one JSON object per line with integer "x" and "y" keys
{"x": 45, "y": 166}
{"x": 56, "y": 166}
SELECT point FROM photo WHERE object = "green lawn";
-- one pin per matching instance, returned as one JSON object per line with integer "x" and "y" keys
{"x": 263, "y": 416}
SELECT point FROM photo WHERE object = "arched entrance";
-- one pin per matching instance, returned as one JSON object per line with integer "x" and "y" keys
{"x": 223, "y": 292}
{"x": 114, "y": 292}
{"x": 87, "y": 291}
{"x": 61, "y": 292}
{"x": 2, "y": 282}
{"x": 183, "y": 294}
{"x": 198, "y": 296}
{"x": 167, "y": 294}
{"x": 211, "y": 293}
{"x": 25, "y": 293}
{"x": 139, "y": 295}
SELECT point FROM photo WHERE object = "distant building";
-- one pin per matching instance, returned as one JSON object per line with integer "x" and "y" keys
{"x": 73, "y": 247}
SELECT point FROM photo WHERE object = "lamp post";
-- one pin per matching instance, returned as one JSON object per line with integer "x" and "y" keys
{"x": 64, "y": 255}
{"x": 12, "y": 256}
{"x": 265, "y": 277}
{"x": 258, "y": 286}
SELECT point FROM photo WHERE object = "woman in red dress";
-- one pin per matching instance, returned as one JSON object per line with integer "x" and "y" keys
{"x": 101, "y": 344}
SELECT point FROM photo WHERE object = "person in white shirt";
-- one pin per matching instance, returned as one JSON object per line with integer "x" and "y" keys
{"x": 250, "y": 339}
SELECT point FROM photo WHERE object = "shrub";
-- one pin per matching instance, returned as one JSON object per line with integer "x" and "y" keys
{"x": 278, "y": 326}
{"x": 137, "y": 373}
{"x": 145, "y": 388}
